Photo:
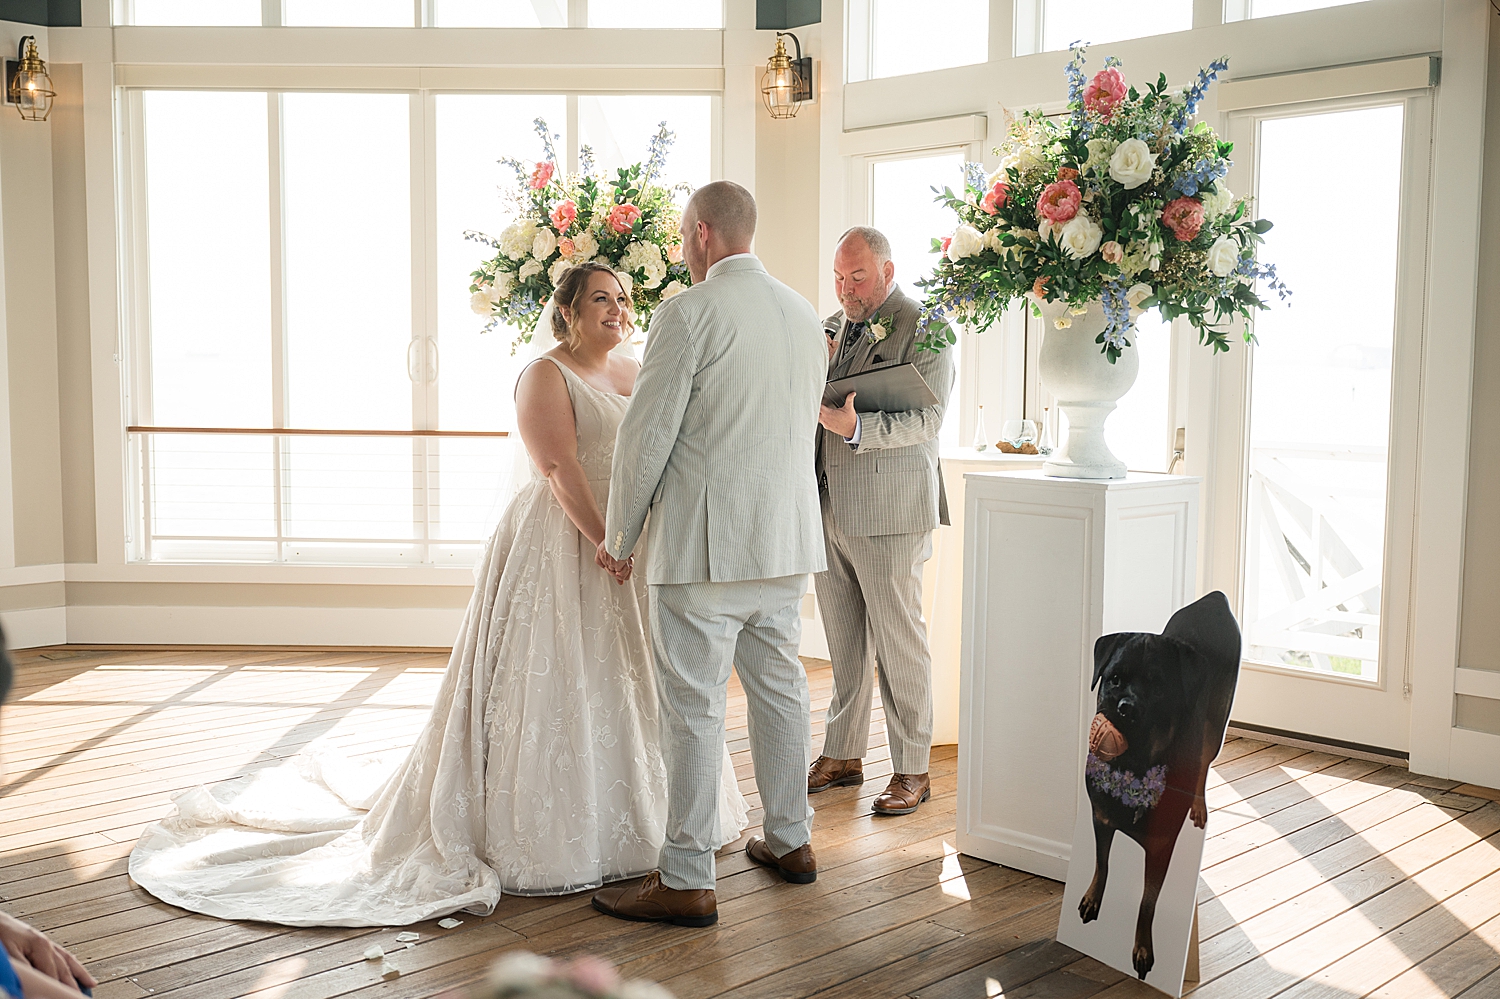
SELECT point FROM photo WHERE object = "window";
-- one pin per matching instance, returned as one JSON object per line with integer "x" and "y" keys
{"x": 500, "y": 13}
{"x": 349, "y": 13}
{"x": 1093, "y": 21}
{"x": 1138, "y": 431}
{"x": 309, "y": 383}
{"x": 902, "y": 207}
{"x": 619, "y": 130}
{"x": 1270, "y": 8}
{"x": 1320, "y": 400}
{"x": 907, "y": 37}
{"x": 656, "y": 14}
{"x": 196, "y": 12}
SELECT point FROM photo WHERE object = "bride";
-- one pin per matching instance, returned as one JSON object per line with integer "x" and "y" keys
{"x": 540, "y": 770}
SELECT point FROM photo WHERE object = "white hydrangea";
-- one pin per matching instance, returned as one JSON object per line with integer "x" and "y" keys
{"x": 515, "y": 241}
{"x": 1218, "y": 201}
{"x": 646, "y": 258}
{"x": 1100, "y": 150}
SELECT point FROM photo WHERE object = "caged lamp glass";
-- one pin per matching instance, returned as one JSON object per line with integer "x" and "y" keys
{"x": 786, "y": 84}
{"x": 30, "y": 88}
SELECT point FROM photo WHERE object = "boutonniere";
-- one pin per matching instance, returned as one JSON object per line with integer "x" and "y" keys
{"x": 877, "y": 329}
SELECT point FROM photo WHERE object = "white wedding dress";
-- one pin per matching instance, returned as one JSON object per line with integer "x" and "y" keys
{"x": 539, "y": 772}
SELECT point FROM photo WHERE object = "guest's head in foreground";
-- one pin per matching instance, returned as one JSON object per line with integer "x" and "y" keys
{"x": 863, "y": 274}
{"x": 719, "y": 221}
{"x": 591, "y": 308}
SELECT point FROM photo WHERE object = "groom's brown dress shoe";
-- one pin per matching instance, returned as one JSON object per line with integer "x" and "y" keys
{"x": 902, "y": 796}
{"x": 799, "y": 867}
{"x": 826, "y": 773}
{"x": 650, "y": 901}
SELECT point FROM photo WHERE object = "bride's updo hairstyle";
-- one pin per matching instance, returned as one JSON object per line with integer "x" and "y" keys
{"x": 569, "y": 295}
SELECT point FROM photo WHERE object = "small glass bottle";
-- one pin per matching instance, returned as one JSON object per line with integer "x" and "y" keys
{"x": 1045, "y": 444}
{"x": 981, "y": 439}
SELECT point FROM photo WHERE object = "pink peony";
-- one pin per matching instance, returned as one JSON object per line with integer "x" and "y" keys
{"x": 1112, "y": 252}
{"x": 622, "y": 217}
{"x": 563, "y": 215}
{"x": 1059, "y": 202}
{"x": 1067, "y": 173}
{"x": 565, "y": 247}
{"x": 1103, "y": 92}
{"x": 996, "y": 197}
{"x": 542, "y": 174}
{"x": 1184, "y": 216}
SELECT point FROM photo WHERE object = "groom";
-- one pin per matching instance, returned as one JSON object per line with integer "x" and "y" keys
{"x": 718, "y": 446}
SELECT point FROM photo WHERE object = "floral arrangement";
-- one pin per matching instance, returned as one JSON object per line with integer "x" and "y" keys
{"x": 1123, "y": 201}
{"x": 1139, "y": 793}
{"x": 523, "y": 975}
{"x": 628, "y": 223}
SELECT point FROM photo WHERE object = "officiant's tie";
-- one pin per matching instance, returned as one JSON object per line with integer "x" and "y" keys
{"x": 851, "y": 338}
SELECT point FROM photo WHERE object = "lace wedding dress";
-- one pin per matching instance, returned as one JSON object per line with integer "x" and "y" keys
{"x": 539, "y": 772}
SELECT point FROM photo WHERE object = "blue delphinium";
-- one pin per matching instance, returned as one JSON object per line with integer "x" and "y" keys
{"x": 1200, "y": 175}
{"x": 1195, "y": 94}
{"x": 661, "y": 142}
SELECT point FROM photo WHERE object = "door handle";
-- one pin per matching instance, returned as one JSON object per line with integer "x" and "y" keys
{"x": 432, "y": 359}
{"x": 411, "y": 360}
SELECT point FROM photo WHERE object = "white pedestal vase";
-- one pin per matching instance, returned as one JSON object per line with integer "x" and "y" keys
{"x": 1086, "y": 386}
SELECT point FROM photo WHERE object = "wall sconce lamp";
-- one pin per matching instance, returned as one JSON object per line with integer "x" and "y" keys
{"x": 787, "y": 83}
{"x": 27, "y": 84}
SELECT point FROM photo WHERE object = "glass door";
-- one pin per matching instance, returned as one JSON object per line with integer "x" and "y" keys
{"x": 1309, "y": 522}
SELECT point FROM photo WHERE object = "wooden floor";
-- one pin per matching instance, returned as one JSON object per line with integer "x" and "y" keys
{"x": 1324, "y": 877}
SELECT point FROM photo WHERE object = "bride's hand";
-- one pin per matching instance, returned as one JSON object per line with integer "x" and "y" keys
{"x": 619, "y": 570}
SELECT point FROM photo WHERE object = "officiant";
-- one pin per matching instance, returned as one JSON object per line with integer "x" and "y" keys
{"x": 882, "y": 496}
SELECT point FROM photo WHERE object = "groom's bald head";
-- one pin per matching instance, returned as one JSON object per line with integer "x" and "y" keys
{"x": 728, "y": 210}
{"x": 719, "y": 221}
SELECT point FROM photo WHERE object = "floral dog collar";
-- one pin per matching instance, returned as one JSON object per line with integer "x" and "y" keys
{"x": 1139, "y": 793}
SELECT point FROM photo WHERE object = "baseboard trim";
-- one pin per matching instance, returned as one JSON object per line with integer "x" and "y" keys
{"x": 304, "y": 627}
{"x": 1334, "y": 747}
{"x": 35, "y": 627}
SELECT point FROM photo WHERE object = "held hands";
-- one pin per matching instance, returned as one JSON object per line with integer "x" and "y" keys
{"x": 840, "y": 419}
{"x": 621, "y": 570}
{"x": 32, "y": 947}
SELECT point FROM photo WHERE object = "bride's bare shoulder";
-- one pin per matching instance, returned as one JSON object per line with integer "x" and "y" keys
{"x": 541, "y": 381}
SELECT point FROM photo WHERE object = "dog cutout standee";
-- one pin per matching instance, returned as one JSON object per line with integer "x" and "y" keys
{"x": 1162, "y": 706}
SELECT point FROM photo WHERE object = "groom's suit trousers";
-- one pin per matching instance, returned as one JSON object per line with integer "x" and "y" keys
{"x": 699, "y": 631}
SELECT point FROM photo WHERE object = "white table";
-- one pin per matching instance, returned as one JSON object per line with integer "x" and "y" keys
{"x": 1051, "y": 564}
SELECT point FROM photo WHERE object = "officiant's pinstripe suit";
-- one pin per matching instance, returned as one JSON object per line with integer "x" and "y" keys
{"x": 718, "y": 445}
{"x": 881, "y": 500}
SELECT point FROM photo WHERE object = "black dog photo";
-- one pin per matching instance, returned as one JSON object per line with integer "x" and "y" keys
{"x": 1162, "y": 706}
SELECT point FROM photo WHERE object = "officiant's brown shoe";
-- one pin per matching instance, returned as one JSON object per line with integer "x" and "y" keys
{"x": 903, "y": 794}
{"x": 650, "y": 901}
{"x": 799, "y": 867}
{"x": 826, "y": 773}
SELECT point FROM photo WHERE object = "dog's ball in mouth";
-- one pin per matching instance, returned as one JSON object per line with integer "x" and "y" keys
{"x": 1105, "y": 741}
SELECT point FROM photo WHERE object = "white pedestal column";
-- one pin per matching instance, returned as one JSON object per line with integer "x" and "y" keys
{"x": 1051, "y": 564}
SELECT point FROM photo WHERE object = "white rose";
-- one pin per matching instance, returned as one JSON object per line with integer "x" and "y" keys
{"x": 966, "y": 242}
{"x": 584, "y": 246}
{"x": 1136, "y": 294}
{"x": 558, "y": 269}
{"x": 1080, "y": 236}
{"x": 529, "y": 270}
{"x": 672, "y": 289}
{"x": 992, "y": 240}
{"x": 1223, "y": 256}
{"x": 501, "y": 287}
{"x": 480, "y": 302}
{"x": 1132, "y": 163}
{"x": 626, "y": 281}
{"x": 1218, "y": 201}
{"x": 543, "y": 244}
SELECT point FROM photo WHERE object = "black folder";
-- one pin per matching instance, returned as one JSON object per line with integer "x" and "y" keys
{"x": 891, "y": 388}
